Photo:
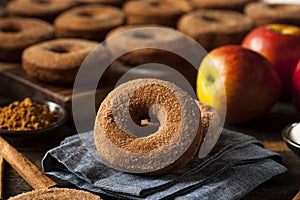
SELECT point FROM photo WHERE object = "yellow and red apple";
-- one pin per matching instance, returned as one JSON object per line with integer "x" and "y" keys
{"x": 280, "y": 44}
{"x": 251, "y": 84}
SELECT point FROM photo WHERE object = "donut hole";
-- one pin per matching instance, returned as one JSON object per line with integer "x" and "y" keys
{"x": 141, "y": 35}
{"x": 10, "y": 28}
{"x": 154, "y": 3}
{"x": 149, "y": 119}
{"x": 41, "y": 1}
{"x": 85, "y": 14}
{"x": 276, "y": 6}
{"x": 58, "y": 49}
{"x": 209, "y": 18}
{"x": 149, "y": 126}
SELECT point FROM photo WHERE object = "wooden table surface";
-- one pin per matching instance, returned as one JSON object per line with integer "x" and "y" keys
{"x": 267, "y": 129}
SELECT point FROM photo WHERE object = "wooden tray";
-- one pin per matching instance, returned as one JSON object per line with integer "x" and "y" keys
{"x": 16, "y": 84}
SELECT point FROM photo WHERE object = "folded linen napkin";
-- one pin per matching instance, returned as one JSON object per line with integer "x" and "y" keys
{"x": 237, "y": 164}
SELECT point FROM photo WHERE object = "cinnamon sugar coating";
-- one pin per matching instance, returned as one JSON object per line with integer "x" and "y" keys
{"x": 162, "y": 12}
{"x": 91, "y": 22}
{"x": 43, "y": 9}
{"x": 213, "y": 28}
{"x": 57, "y": 61}
{"x": 171, "y": 146}
{"x": 17, "y": 33}
{"x": 56, "y": 193}
{"x": 262, "y": 13}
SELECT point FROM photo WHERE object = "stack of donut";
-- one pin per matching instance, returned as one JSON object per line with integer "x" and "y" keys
{"x": 211, "y": 23}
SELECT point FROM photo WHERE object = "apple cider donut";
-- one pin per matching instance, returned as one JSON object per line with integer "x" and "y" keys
{"x": 262, "y": 13}
{"x": 89, "y": 22}
{"x": 162, "y": 12}
{"x": 213, "y": 28}
{"x": 43, "y": 9}
{"x": 145, "y": 35}
{"x": 236, "y": 5}
{"x": 18, "y": 33}
{"x": 119, "y": 137}
{"x": 57, "y": 61}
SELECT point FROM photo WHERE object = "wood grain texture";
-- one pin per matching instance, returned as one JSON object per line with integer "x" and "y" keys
{"x": 28, "y": 171}
{"x": 275, "y": 145}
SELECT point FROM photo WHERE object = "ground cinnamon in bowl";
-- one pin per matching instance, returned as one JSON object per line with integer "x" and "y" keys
{"x": 26, "y": 115}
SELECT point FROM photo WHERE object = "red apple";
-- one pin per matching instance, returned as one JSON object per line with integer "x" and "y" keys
{"x": 280, "y": 44}
{"x": 251, "y": 84}
{"x": 296, "y": 86}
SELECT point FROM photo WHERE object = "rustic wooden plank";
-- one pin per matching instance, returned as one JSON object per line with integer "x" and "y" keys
{"x": 20, "y": 85}
{"x": 275, "y": 146}
{"x": 7, "y": 66}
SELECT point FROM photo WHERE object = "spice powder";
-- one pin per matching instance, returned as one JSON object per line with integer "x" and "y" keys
{"x": 26, "y": 115}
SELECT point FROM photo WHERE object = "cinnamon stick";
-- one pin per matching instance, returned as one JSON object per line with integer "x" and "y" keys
{"x": 29, "y": 172}
{"x": 297, "y": 197}
{"x": 1, "y": 176}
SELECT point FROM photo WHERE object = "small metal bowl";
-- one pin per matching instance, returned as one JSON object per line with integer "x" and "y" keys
{"x": 21, "y": 137}
{"x": 291, "y": 136}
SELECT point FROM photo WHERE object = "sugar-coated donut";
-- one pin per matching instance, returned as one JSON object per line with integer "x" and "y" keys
{"x": 56, "y": 193}
{"x": 145, "y": 35}
{"x": 57, "y": 61}
{"x": 213, "y": 28}
{"x": 262, "y": 13}
{"x": 162, "y": 12}
{"x": 104, "y": 2}
{"x": 89, "y": 22}
{"x": 237, "y": 5}
{"x": 18, "y": 33}
{"x": 43, "y": 9}
{"x": 118, "y": 134}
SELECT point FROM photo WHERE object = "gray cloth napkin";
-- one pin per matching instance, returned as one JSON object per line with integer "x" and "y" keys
{"x": 237, "y": 164}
